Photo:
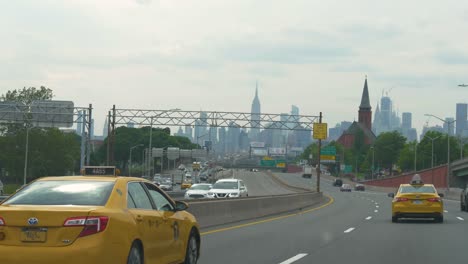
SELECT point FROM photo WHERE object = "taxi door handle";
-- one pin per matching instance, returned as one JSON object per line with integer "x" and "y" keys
{"x": 139, "y": 218}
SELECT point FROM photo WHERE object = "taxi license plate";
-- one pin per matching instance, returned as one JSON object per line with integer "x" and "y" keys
{"x": 34, "y": 235}
{"x": 417, "y": 202}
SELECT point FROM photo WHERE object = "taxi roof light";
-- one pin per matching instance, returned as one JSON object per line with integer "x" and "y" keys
{"x": 416, "y": 180}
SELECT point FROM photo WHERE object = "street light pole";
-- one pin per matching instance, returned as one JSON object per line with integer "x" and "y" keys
{"x": 449, "y": 123}
{"x": 130, "y": 165}
{"x": 150, "y": 150}
{"x": 432, "y": 155}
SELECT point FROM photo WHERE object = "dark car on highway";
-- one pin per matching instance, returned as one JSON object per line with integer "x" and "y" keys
{"x": 359, "y": 187}
{"x": 337, "y": 182}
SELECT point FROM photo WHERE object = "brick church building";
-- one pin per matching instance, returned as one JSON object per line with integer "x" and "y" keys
{"x": 363, "y": 125}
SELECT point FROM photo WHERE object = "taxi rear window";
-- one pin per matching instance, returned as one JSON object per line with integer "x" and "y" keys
{"x": 64, "y": 193}
{"x": 417, "y": 189}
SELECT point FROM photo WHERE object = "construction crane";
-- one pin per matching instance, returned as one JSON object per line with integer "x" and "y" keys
{"x": 463, "y": 85}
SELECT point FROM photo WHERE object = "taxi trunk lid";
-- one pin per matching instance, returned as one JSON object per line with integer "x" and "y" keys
{"x": 45, "y": 226}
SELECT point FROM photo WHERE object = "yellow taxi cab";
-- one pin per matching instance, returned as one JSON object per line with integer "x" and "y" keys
{"x": 417, "y": 200}
{"x": 96, "y": 219}
{"x": 186, "y": 185}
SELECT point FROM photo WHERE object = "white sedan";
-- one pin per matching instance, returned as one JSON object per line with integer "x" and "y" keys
{"x": 198, "y": 191}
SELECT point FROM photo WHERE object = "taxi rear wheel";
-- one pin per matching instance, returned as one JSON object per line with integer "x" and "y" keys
{"x": 439, "y": 219}
{"x": 135, "y": 256}
{"x": 394, "y": 219}
{"x": 191, "y": 255}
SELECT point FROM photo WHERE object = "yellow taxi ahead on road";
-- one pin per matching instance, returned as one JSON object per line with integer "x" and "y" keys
{"x": 96, "y": 219}
{"x": 186, "y": 185}
{"x": 417, "y": 200}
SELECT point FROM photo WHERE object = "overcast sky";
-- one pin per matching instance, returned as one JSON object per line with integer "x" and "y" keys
{"x": 207, "y": 54}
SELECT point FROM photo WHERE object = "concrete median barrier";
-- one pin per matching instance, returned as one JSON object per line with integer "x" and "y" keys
{"x": 211, "y": 213}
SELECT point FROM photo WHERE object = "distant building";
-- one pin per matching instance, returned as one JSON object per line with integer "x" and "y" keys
{"x": 255, "y": 116}
{"x": 364, "y": 124}
{"x": 335, "y": 132}
{"x": 437, "y": 128}
{"x": 105, "y": 129}
{"x": 221, "y": 146}
{"x": 406, "y": 120}
{"x": 407, "y": 129}
{"x": 232, "y": 138}
{"x": 462, "y": 123}
{"x": 131, "y": 125}
{"x": 189, "y": 132}
{"x": 449, "y": 125}
{"x": 385, "y": 118}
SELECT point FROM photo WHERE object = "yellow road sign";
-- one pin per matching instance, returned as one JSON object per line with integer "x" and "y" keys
{"x": 327, "y": 157}
{"x": 320, "y": 131}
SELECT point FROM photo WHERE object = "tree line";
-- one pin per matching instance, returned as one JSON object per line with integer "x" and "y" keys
{"x": 392, "y": 153}
{"x": 55, "y": 152}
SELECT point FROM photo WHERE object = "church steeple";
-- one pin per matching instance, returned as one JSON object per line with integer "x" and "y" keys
{"x": 365, "y": 109}
{"x": 365, "y": 102}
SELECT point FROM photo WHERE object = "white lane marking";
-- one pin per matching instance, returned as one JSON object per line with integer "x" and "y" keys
{"x": 369, "y": 218}
{"x": 376, "y": 206}
{"x": 445, "y": 211}
{"x": 349, "y": 230}
{"x": 376, "y": 203}
{"x": 294, "y": 259}
{"x": 459, "y": 218}
{"x": 376, "y": 211}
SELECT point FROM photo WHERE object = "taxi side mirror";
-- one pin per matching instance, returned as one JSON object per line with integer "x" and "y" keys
{"x": 391, "y": 195}
{"x": 181, "y": 206}
{"x": 441, "y": 195}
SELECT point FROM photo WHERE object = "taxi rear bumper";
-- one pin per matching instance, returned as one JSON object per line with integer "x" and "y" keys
{"x": 417, "y": 215}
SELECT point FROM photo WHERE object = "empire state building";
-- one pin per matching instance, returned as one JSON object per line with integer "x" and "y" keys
{"x": 255, "y": 117}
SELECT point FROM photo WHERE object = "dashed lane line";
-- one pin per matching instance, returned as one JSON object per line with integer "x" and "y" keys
{"x": 461, "y": 219}
{"x": 294, "y": 259}
{"x": 349, "y": 230}
{"x": 376, "y": 211}
{"x": 369, "y": 218}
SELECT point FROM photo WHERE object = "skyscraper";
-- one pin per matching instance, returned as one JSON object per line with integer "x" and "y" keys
{"x": 461, "y": 119}
{"x": 449, "y": 125}
{"x": 406, "y": 121}
{"x": 105, "y": 129}
{"x": 189, "y": 132}
{"x": 255, "y": 116}
{"x": 385, "y": 118}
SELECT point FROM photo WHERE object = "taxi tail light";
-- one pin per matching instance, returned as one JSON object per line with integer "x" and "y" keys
{"x": 92, "y": 224}
{"x": 401, "y": 199}
{"x": 2, "y": 221}
{"x": 433, "y": 199}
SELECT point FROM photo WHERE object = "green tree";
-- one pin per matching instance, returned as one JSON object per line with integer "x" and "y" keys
{"x": 125, "y": 138}
{"x": 388, "y": 147}
{"x": 24, "y": 96}
{"x": 27, "y": 95}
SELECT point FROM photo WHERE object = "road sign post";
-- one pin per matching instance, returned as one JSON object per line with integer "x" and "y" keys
{"x": 320, "y": 132}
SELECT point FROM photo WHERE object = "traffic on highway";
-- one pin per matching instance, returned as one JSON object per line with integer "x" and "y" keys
{"x": 35, "y": 221}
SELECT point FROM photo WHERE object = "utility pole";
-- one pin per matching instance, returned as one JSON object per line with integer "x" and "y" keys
{"x": 318, "y": 165}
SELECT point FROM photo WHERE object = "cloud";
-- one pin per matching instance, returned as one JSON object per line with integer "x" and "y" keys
{"x": 283, "y": 52}
{"x": 143, "y": 2}
{"x": 452, "y": 57}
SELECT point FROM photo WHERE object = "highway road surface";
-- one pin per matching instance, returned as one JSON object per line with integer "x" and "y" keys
{"x": 352, "y": 228}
